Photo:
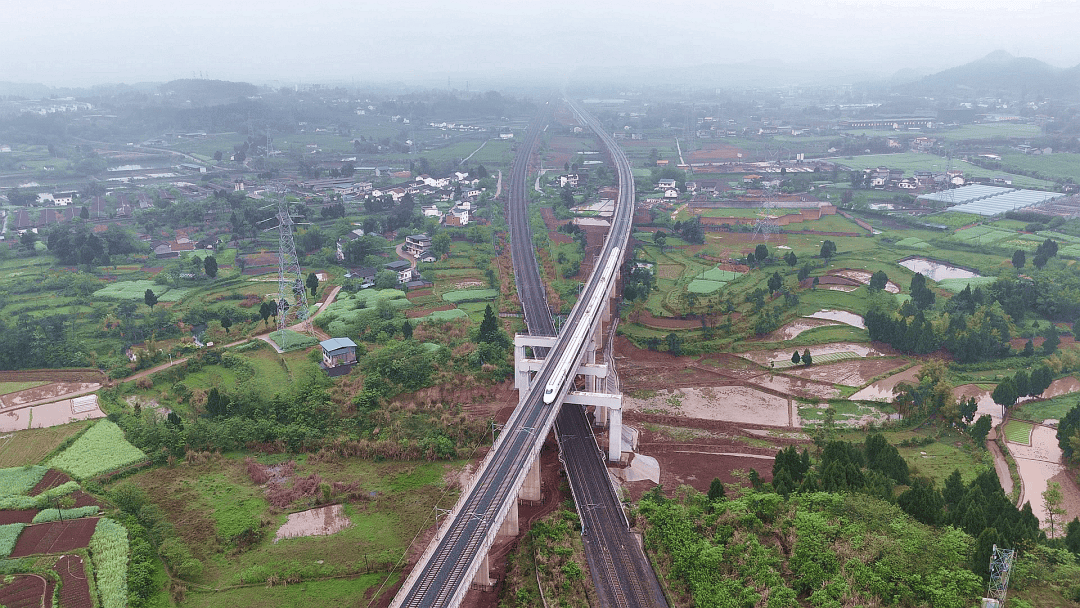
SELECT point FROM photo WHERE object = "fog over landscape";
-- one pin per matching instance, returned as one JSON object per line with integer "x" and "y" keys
{"x": 606, "y": 303}
{"x": 423, "y": 43}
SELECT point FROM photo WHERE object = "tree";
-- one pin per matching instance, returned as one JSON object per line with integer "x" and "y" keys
{"x": 1072, "y": 536}
{"x": 267, "y": 310}
{"x": 1005, "y": 394}
{"x": 791, "y": 259}
{"x": 804, "y": 272}
{"x": 440, "y": 243}
{"x": 674, "y": 344}
{"x": 1022, "y": 382}
{"x": 1052, "y": 503}
{"x": 28, "y": 240}
{"x": 1029, "y": 348}
{"x": 386, "y": 279}
{"x": 879, "y": 280}
{"x": 312, "y": 283}
{"x": 828, "y": 249}
{"x": 210, "y": 266}
{"x": 761, "y": 252}
{"x": 150, "y": 299}
{"x": 217, "y": 156}
{"x": 489, "y": 327}
{"x": 226, "y": 323}
{"x": 406, "y": 329}
{"x": 1068, "y": 433}
{"x": 815, "y": 282}
{"x": 1051, "y": 339}
{"x": 968, "y": 408}
{"x": 1019, "y": 258}
{"x": 84, "y": 213}
{"x": 716, "y": 489}
{"x": 981, "y": 429}
{"x": 806, "y": 358}
{"x": 1040, "y": 380}
{"x": 775, "y": 282}
{"x": 660, "y": 238}
{"x": 795, "y": 357}
{"x": 921, "y": 295}
{"x": 922, "y": 501}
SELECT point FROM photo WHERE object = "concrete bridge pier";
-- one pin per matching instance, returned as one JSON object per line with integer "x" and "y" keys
{"x": 531, "y": 491}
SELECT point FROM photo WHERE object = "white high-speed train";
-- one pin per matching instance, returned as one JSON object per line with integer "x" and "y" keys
{"x": 565, "y": 366}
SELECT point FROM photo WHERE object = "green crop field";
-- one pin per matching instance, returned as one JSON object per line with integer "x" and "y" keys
{"x": 913, "y": 243}
{"x": 1018, "y": 432}
{"x": 1062, "y": 165}
{"x": 20, "y": 480}
{"x": 704, "y": 286}
{"x": 442, "y": 315}
{"x": 958, "y": 285}
{"x": 14, "y": 387}
{"x": 136, "y": 290}
{"x": 99, "y": 450}
{"x": 470, "y": 295}
{"x": 294, "y": 339}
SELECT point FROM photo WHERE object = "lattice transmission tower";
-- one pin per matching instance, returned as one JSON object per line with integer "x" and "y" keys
{"x": 766, "y": 224}
{"x": 1001, "y": 563}
{"x": 290, "y": 278}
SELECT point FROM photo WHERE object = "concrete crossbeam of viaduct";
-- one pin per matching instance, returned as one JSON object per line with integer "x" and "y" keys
{"x": 450, "y": 563}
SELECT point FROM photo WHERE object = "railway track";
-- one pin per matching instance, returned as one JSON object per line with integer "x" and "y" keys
{"x": 624, "y": 575}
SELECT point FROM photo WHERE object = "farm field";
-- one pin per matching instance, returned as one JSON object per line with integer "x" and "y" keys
{"x": 913, "y": 161}
{"x": 30, "y": 446}
{"x": 388, "y": 504}
{"x": 99, "y": 450}
{"x": 1060, "y": 165}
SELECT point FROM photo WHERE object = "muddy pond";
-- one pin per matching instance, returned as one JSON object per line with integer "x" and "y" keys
{"x": 936, "y": 271}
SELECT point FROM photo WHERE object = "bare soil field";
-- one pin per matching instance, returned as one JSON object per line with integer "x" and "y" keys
{"x": 848, "y": 373}
{"x": 320, "y": 521}
{"x": 44, "y": 416}
{"x": 22, "y": 516}
{"x": 739, "y": 404}
{"x": 74, "y": 588}
{"x": 797, "y": 387}
{"x": 714, "y": 152}
{"x": 794, "y": 328}
{"x": 763, "y": 357}
{"x": 882, "y": 390}
{"x": 27, "y": 591}
{"x": 49, "y": 391}
{"x": 55, "y": 537}
{"x": 54, "y": 375}
{"x": 863, "y": 277}
{"x": 1038, "y": 464}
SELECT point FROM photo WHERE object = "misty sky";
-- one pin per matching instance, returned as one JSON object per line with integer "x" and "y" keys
{"x": 81, "y": 42}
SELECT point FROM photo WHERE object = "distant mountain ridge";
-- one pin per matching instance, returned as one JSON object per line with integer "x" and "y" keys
{"x": 1002, "y": 72}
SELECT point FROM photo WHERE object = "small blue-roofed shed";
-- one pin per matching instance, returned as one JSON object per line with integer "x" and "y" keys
{"x": 338, "y": 351}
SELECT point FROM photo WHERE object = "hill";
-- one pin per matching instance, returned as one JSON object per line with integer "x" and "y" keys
{"x": 1001, "y": 72}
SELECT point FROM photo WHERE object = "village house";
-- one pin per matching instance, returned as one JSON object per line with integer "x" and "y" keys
{"x": 339, "y": 356}
{"x": 347, "y": 238}
{"x": 415, "y": 244}
{"x": 402, "y": 268}
{"x": 365, "y": 274}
